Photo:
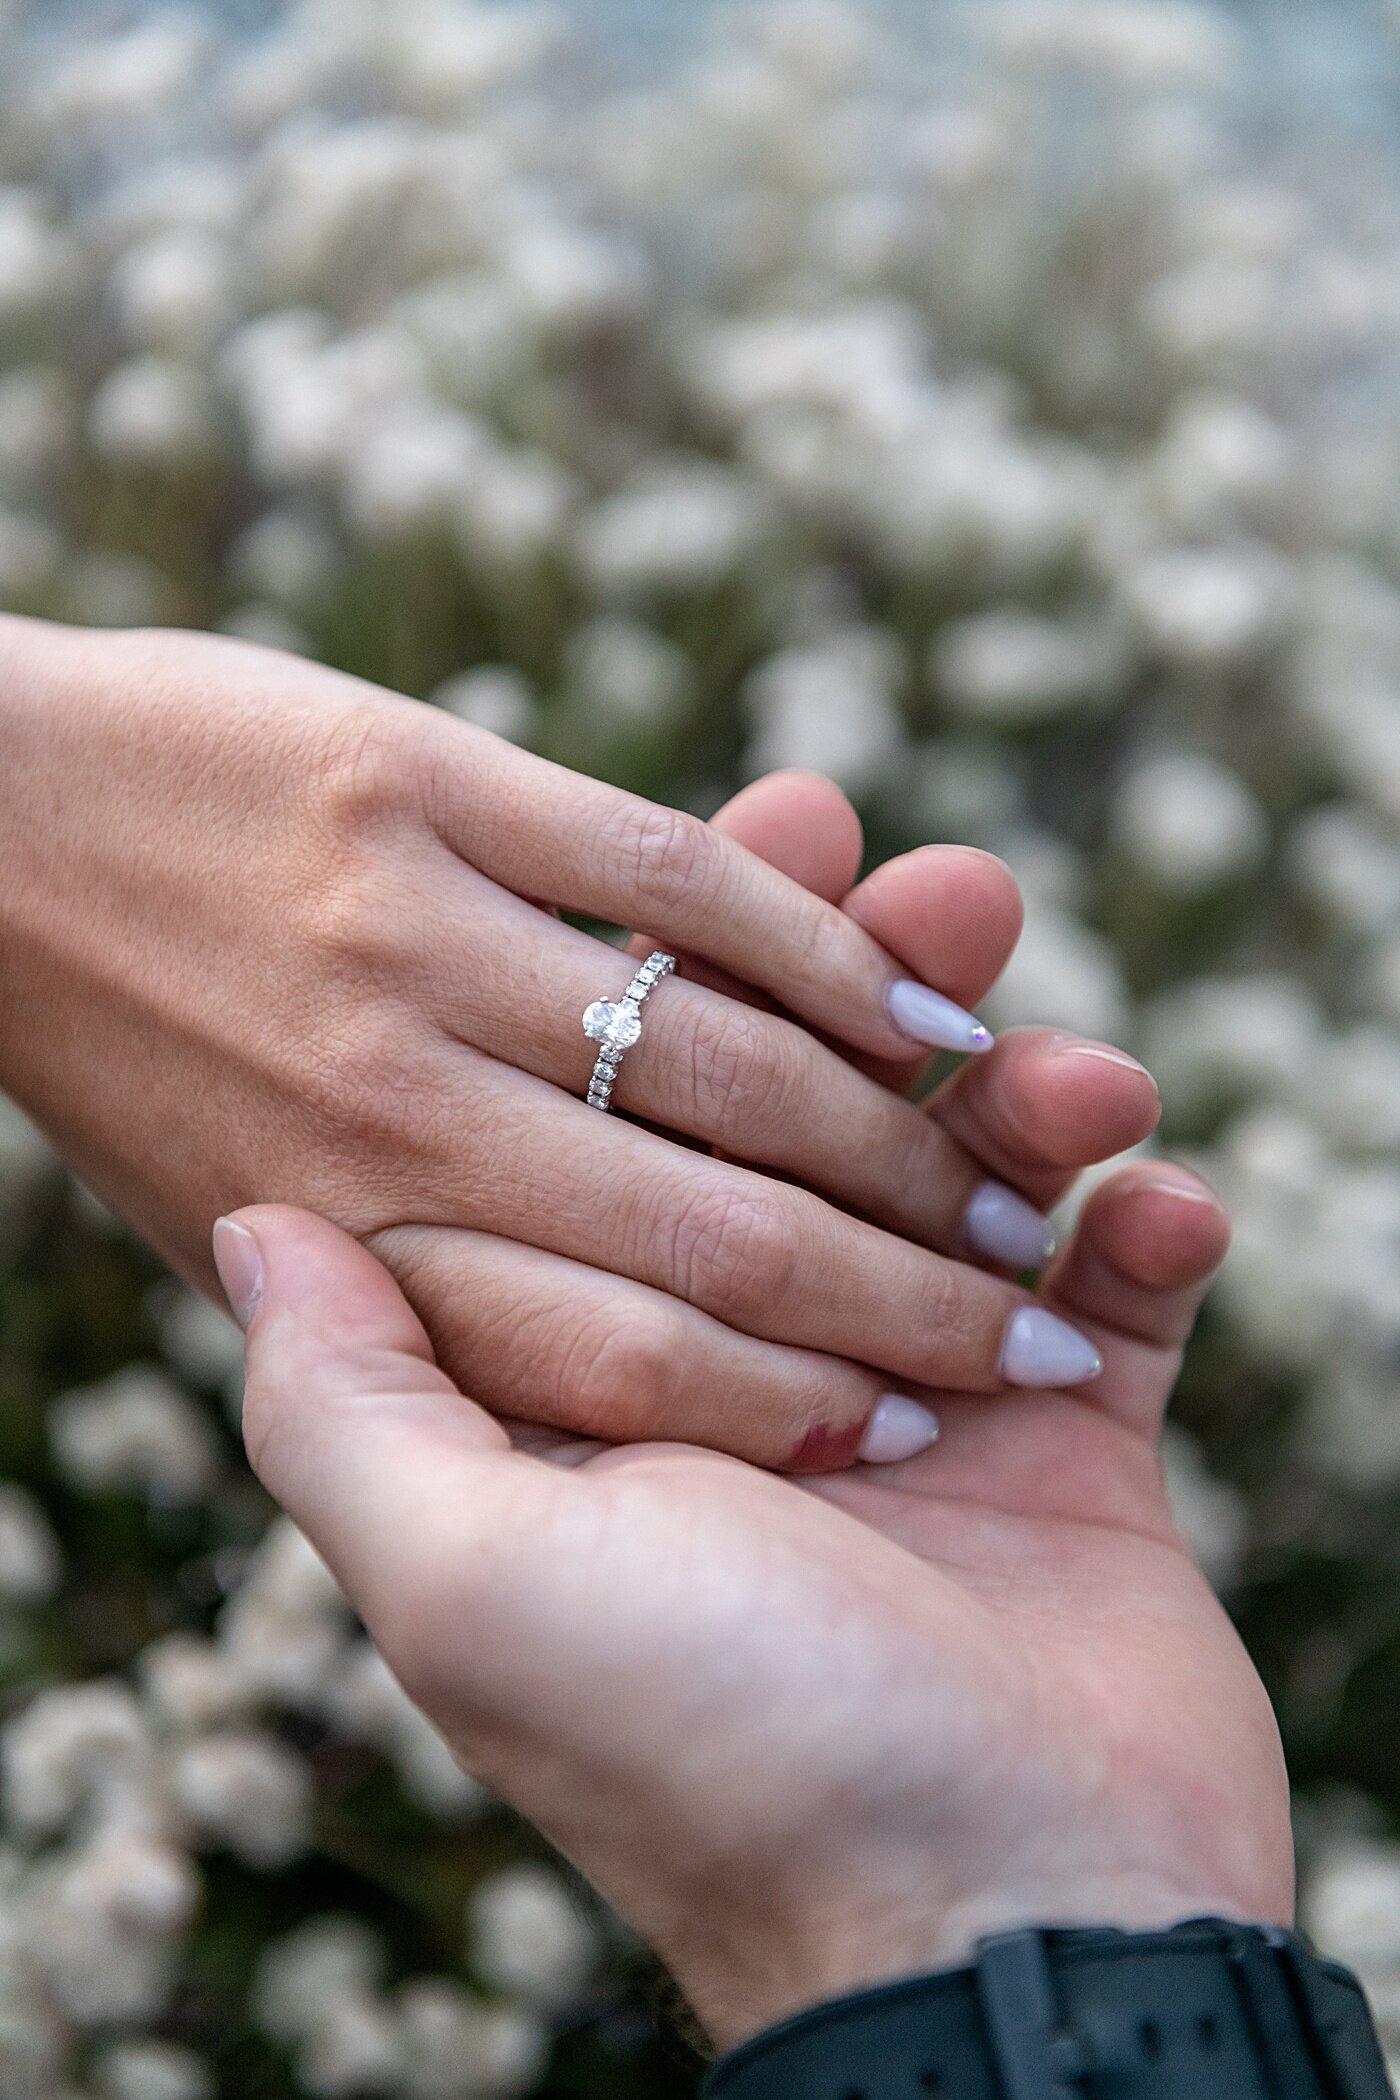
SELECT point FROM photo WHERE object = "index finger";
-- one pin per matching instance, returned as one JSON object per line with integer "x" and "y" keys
{"x": 543, "y": 831}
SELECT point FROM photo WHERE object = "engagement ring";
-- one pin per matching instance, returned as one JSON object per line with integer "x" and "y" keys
{"x": 616, "y": 1024}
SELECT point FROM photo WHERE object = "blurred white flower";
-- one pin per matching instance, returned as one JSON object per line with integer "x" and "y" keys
{"x": 458, "y": 2049}
{"x": 626, "y": 675}
{"x": 25, "y": 1153}
{"x": 1188, "y": 822}
{"x": 31, "y": 1563}
{"x": 283, "y": 1631}
{"x": 563, "y": 275}
{"x": 1208, "y": 608}
{"x": 245, "y": 1791}
{"x": 172, "y": 291}
{"x": 411, "y": 468}
{"x": 507, "y": 2050}
{"x": 1217, "y": 1037}
{"x": 191, "y": 1683}
{"x": 328, "y": 1960}
{"x": 442, "y": 58}
{"x": 147, "y": 2069}
{"x": 1348, "y": 866}
{"x": 268, "y": 626}
{"x": 73, "y": 1751}
{"x": 30, "y": 552}
{"x": 1221, "y": 463}
{"x": 137, "y": 1432}
{"x": 1147, "y": 42}
{"x": 1061, "y": 975}
{"x": 123, "y": 78}
{"x": 366, "y": 1701}
{"x": 34, "y": 423}
{"x": 202, "y": 1341}
{"x": 103, "y": 1923}
{"x": 678, "y": 524}
{"x": 1352, "y": 1906}
{"x": 1010, "y": 667}
{"x": 492, "y": 696}
{"x": 285, "y": 558}
{"x": 974, "y": 500}
{"x": 952, "y": 790}
{"x": 1211, "y": 1516}
{"x": 514, "y": 510}
{"x": 354, "y": 2047}
{"x": 1359, "y": 1108}
{"x": 153, "y": 411}
{"x": 528, "y": 1935}
{"x": 830, "y": 707}
{"x": 36, "y": 262}
{"x": 110, "y": 589}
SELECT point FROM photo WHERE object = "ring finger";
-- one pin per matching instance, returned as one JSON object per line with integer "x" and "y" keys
{"x": 754, "y": 1085}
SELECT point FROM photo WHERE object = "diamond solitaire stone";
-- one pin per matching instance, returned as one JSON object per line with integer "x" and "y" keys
{"x": 614, "y": 1022}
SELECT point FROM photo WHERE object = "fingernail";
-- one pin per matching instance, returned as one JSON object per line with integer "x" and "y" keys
{"x": 1202, "y": 1194}
{"x": 1042, "y": 1350}
{"x": 1105, "y": 1054}
{"x": 239, "y": 1263}
{"x": 898, "y": 1428}
{"x": 999, "y": 1223}
{"x": 930, "y": 1018}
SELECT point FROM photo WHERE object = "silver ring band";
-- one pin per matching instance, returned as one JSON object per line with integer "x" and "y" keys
{"x": 615, "y": 1025}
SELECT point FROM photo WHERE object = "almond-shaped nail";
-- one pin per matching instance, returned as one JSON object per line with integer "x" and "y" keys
{"x": 1041, "y": 1349}
{"x": 1003, "y": 1226}
{"x": 238, "y": 1260}
{"x": 930, "y": 1018}
{"x": 899, "y": 1428}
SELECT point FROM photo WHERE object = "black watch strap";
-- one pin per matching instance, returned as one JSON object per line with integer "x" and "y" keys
{"x": 1204, "y": 2011}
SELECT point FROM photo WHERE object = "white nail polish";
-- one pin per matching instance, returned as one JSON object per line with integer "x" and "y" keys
{"x": 1041, "y": 1349}
{"x": 898, "y": 1429}
{"x": 930, "y": 1018}
{"x": 1001, "y": 1224}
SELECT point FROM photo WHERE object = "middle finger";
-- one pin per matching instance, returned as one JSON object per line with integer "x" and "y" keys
{"x": 753, "y": 1084}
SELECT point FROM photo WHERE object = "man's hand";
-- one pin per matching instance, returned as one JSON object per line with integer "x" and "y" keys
{"x": 804, "y": 1736}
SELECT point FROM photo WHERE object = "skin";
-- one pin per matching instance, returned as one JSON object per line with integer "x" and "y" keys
{"x": 269, "y": 933}
{"x": 806, "y": 1735}
{"x": 812, "y": 1735}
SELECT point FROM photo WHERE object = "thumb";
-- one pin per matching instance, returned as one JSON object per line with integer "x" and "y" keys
{"x": 347, "y": 1419}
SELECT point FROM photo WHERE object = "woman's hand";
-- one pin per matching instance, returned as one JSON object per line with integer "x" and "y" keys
{"x": 267, "y": 932}
{"x": 804, "y": 1736}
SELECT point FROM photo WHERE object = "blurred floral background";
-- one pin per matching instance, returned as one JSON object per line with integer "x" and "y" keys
{"x": 998, "y": 410}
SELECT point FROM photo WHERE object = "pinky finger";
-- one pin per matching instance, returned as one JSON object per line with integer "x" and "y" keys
{"x": 534, "y": 1336}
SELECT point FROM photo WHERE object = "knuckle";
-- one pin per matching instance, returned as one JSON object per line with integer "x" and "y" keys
{"x": 953, "y": 1303}
{"x": 734, "y": 1252}
{"x": 353, "y": 1081}
{"x": 614, "y": 1376}
{"x": 341, "y": 918}
{"x": 368, "y": 769}
{"x": 667, "y": 854}
{"x": 742, "y": 1069}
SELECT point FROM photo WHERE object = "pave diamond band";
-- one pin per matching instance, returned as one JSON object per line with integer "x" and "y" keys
{"x": 615, "y": 1025}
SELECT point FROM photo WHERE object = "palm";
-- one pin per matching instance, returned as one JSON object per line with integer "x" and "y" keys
{"x": 997, "y": 1657}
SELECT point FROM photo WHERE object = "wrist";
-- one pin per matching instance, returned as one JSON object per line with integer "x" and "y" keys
{"x": 845, "y": 1944}
{"x": 1207, "y": 2010}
